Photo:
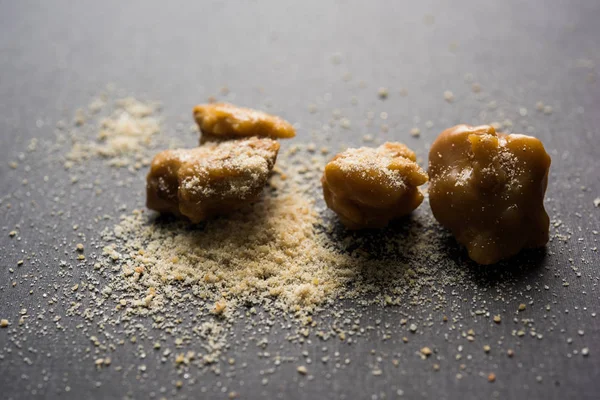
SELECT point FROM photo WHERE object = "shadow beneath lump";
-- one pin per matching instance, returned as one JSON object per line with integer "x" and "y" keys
{"x": 416, "y": 249}
{"x": 523, "y": 267}
{"x": 394, "y": 242}
{"x": 385, "y": 260}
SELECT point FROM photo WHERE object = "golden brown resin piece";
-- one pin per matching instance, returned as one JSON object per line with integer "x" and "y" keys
{"x": 369, "y": 187}
{"x": 488, "y": 189}
{"x": 222, "y": 121}
{"x": 210, "y": 180}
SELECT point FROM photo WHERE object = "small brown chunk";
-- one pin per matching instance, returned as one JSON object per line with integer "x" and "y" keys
{"x": 222, "y": 121}
{"x": 488, "y": 189}
{"x": 210, "y": 180}
{"x": 369, "y": 187}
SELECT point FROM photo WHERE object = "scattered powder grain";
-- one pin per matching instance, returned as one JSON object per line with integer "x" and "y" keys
{"x": 448, "y": 96}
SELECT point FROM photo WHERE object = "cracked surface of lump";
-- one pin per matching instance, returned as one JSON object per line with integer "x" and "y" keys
{"x": 223, "y": 121}
{"x": 214, "y": 179}
{"x": 488, "y": 189}
{"x": 369, "y": 187}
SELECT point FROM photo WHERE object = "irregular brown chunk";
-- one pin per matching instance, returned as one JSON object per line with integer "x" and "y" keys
{"x": 488, "y": 189}
{"x": 210, "y": 180}
{"x": 222, "y": 121}
{"x": 369, "y": 187}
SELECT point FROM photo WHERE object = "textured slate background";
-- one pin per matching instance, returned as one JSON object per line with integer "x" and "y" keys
{"x": 55, "y": 55}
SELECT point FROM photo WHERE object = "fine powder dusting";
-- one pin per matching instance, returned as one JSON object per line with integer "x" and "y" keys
{"x": 372, "y": 164}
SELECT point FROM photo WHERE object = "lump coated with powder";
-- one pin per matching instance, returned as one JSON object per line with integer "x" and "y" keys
{"x": 488, "y": 189}
{"x": 369, "y": 187}
{"x": 222, "y": 121}
{"x": 210, "y": 180}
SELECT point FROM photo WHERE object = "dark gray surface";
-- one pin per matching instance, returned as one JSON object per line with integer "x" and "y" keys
{"x": 55, "y": 55}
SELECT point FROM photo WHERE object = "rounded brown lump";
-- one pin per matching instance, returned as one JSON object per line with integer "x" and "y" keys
{"x": 210, "y": 180}
{"x": 369, "y": 187}
{"x": 223, "y": 121}
{"x": 488, "y": 189}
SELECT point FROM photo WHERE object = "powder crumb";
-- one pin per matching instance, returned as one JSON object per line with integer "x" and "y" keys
{"x": 496, "y": 125}
{"x": 3, "y": 323}
{"x": 415, "y": 132}
{"x": 383, "y": 93}
{"x": 96, "y": 105}
{"x": 302, "y": 370}
{"x": 448, "y": 96}
{"x": 585, "y": 352}
{"x": 80, "y": 117}
{"x": 596, "y": 202}
{"x": 426, "y": 351}
{"x": 219, "y": 307}
{"x": 492, "y": 377}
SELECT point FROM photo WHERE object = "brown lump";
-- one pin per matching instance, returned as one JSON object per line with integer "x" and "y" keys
{"x": 222, "y": 121}
{"x": 369, "y": 187}
{"x": 210, "y": 180}
{"x": 488, "y": 189}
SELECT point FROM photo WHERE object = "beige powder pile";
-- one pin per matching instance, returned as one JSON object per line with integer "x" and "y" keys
{"x": 277, "y": 252}
{"x": 268, "y": 252}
